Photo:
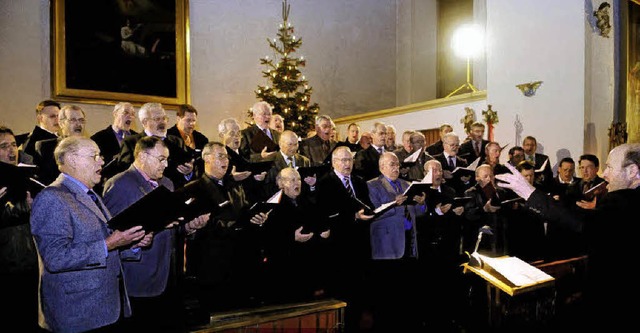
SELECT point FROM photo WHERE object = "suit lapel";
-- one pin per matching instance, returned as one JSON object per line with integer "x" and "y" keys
{"x": 84, "y": 199}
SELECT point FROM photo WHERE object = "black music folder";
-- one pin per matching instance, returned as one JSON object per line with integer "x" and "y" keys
{"x": 18, "y": 180}
{"x": 259, "y": 167}
{"x": 416, "y": 188}
{"x": 261, "y": 140}
{"x": 154, "y": 211}
{"x": 311, "y": 171}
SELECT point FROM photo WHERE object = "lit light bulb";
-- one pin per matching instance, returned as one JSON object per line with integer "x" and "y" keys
{"x": 302, "y": 58}
{"x": 274, "y": 40}
{"x": 280, "y": 25}
{"x": 294, "y": 37}
{"x": 266, "y": 57}
{"x": 303, "y": 77}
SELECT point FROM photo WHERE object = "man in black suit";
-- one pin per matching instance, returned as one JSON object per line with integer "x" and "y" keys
{"x": 341, "y": 196}
{"x": 474, "y": 147}
{"x": 154, "y": 121}
{"x": 450, "y": 160}
{"x": 110, "y": 139}
{"x": 185, "y": 128}
{"x": 217, "y": 255}
{"x": 365, "y": 162}
{"x": 47, "y": 127}
{"x": 543, "y": 179}
{"x": 288, "y": 157}
{"x": 260, "y": 130}
{"x": 610, "y": 233}
{"x": 353, "y": 137}
{"x": 436, "y": 147}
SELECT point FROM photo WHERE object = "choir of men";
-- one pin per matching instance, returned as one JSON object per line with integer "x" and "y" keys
{"x": 251, "y": 236}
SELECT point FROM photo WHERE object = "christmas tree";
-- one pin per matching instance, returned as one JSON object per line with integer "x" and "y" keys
{"x": 287, "y": 90}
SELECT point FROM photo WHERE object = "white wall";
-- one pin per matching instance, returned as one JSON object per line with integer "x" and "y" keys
{"x": 538, "y": 40}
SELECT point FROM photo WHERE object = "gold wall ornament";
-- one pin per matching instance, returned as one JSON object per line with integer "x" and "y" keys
{"x": 617, "y": 134}
{"x": 468, "y": 119}
{"x": 529, "y": 89}
{"x": 602, "y": 17}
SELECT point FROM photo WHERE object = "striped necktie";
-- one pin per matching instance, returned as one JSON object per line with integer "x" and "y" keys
{"x": 347, "y": 185}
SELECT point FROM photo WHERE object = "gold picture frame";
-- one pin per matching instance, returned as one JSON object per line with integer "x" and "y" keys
{"x": 106, "y": 51}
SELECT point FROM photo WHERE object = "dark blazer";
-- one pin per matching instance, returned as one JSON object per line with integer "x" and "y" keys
{"x": 365, "y": 163}
{"x": 455, "y": 182}
{"x": 609, "y": 235}
{"x": 177, "y": 156}
{"x": 467, "y": 151}
{"x": 45, "y": 160}
{"x": 387, "y": 231}
{"x": 200, "y": 141}
{"x": 543, "y": 179}
{"x": 435, "y": 148}
{"x": 147, "y": 270}
{"x": 279, "y": 164}
{"x": 79, "y": 287}
{"x": 29, "y": 145}
{"x": 312, "y": 148}
{"x": 108, "y": 143}
{"x": 245, "y": 142}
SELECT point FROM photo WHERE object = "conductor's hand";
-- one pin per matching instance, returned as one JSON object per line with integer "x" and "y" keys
{"x": 300, "y": 237}
{"x": 124, "y": 238}
{"x": 145, "y": 241}
{"x": 186, "y": 168}
{"x": 360, "y": 215}
{"x": 515, "y": 182}
{"x": 264, "y": 154}
{"x": 239, "y": 176}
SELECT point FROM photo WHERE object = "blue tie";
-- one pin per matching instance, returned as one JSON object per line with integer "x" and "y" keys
{"x": 94, "y": 197}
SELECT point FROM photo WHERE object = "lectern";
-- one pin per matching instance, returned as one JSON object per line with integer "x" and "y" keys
{"x": 517, "y": 294}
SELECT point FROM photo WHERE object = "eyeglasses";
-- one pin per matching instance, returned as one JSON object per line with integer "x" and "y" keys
{"x": 161, "y": 159}
{"x": 74, "y": 120}
{"x": 159, "y": 119}
{"x": 344, "y": 160}
{"x": 8, "y": 145}
{"x": 96, "y": 157}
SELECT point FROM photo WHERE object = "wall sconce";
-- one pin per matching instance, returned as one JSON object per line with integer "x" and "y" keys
{"x": 529, "y": 89}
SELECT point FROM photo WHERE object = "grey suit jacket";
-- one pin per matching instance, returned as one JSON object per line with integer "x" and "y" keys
{"x": 312, "y": 149}
{"x": 78, "y": 277}
{"x": 387, "y": 230}
{"x": 146, "y": 270}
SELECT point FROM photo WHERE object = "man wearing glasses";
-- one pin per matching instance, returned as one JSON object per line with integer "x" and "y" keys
{"x": 72, "y": 122}
{"x": 151, "y": 286}
{"x": 80, "y": 275}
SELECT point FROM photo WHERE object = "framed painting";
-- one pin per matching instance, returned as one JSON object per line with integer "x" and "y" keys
{"x": 106, "y": 51}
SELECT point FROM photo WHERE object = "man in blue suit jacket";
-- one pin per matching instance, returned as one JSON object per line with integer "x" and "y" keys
{"x": 80, "y": 271}
{"x": 147, "y": 271}
{"x": 394, "y": 248}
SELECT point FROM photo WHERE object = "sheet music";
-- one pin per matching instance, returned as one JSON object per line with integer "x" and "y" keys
{"x": 516, "y": 270}
{"x": 384, "y": 206}
{"x": 275, "y": 198}
{"x": 413, "y": 157}
{"x": 544, "y": 165}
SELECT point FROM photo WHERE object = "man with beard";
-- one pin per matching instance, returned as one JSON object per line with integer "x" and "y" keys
{"x": 72, "y": 122}
{"x": 154, "y": 121}
{"x": 110, "y": 139}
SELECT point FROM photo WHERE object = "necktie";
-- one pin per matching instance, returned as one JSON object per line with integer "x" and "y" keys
{"x": 94, "y": 197}
{"x": 451, "y": 162}
{"x": 266, "y": 132}
{"x": 407, "y": 217}
{"x": 153, "y": 183}
{"x": 120, "y": 135}
{"x": 380, "y": 150}
{"x": 586, "y": 186}
{"x": 477, "y": 147}
{"x": 347, "y": 185}
{"x": 325, "y": 147}
{"x": 189, "y": 142}
{"x": 289, "y": 162}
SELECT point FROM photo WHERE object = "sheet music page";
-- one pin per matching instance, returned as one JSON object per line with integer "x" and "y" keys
{"x": 516, "y": 270}
{"x": 384, "y": 206}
